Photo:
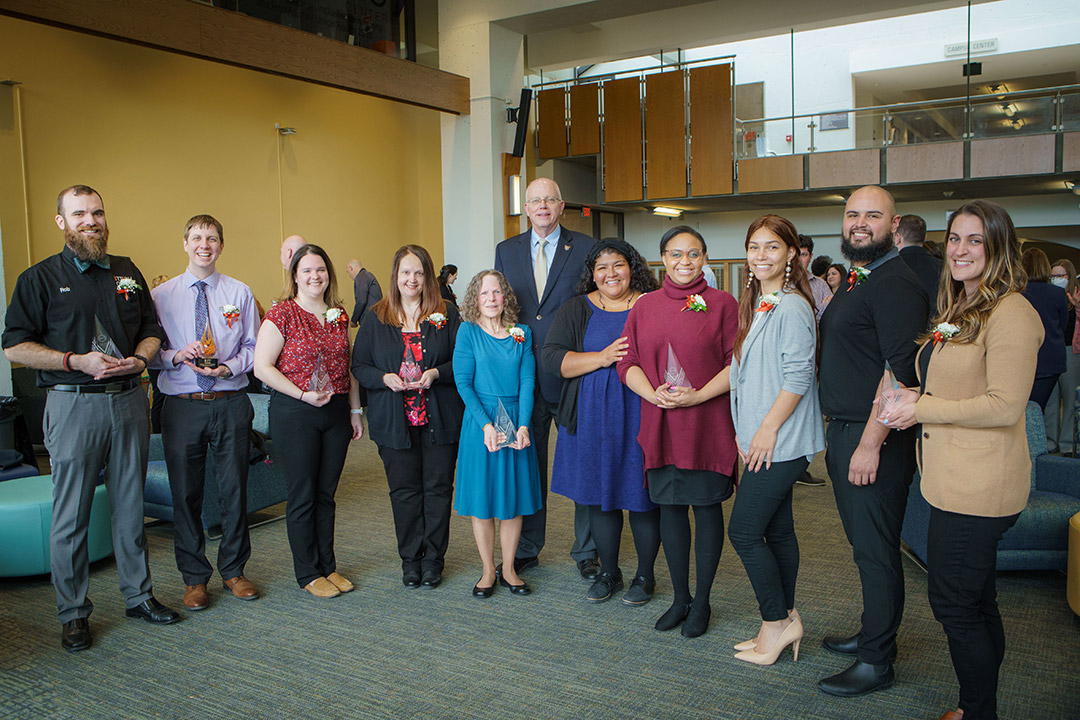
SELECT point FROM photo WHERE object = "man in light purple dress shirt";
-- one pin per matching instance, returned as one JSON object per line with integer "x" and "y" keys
{"x": 822, "y": 295}
{"x": 207, "y": 408}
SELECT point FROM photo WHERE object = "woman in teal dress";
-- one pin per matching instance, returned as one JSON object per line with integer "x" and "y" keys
{"x": 493, "y": 364}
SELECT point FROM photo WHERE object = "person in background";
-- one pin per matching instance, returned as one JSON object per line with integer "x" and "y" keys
{"x": 598, "y": 461}
{"x": 822, "y": 294}
{"x": 402, "y": 357}
{"x": 447, "y": 277}
{"x": 289, "y": 246}
{"x": 976, "y": 366}
{"x": 1052, "y": 304}
{"x": 679, "y": 341}
{"x": 820, "y": 265}
{"x": 1061, "y": 407}
{"x": 366, "y": 292}
{"x": 498, "y": 476}
{"x": 910, "y": 237}
{"x": 835, "y": 277}
{"x": 710, "y": 276}
{"x": 302, "y": 353}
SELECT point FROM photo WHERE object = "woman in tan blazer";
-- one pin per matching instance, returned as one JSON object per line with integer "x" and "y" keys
{"x": 976, "y": 367}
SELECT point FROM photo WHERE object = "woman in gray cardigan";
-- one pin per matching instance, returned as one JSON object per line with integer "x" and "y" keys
{"x": 778, "y": 426}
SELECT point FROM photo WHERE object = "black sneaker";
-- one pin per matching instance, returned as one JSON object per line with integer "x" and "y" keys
{"x": 808, "y": 479}
{"x": 605, "y": 586}
{"x": 640, "y": 592}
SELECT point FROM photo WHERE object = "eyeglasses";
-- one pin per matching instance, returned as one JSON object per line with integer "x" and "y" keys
{"x": 1062, "y": 275}
{"x": 543, "y": 201}
{"x": 678, "y": 254}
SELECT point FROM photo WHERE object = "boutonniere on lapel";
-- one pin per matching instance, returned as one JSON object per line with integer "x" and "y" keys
{"x": 857, "y": 276}
{"x": 695, "y": 303}
{"x": 335, "y": 315}
{"x": 125, "y": 286}
{"x": 768, "y": 302}
{"x": 437, "y": 320}
{"x": 517, "y": 333}
{"x": 566, "y": 248}
{"x": 944, "y": 331}
{"x": 230, "y": 313}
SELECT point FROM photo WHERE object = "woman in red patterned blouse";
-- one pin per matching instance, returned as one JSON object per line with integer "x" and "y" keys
{"x": 302, "y": 353}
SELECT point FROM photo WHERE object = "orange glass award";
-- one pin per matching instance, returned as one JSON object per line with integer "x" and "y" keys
{"x": 209, "y": 350}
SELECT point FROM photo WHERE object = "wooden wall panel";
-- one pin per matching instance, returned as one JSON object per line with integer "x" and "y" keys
{"x": 921, "y": 163}
{"x": 711, "y": 166}
{"x": 551, "y": 115}
{"x": 847, "y": 168}
{"x": 1070, "y": 157}
{"x": 231, "y": 37}
{"x": 1024, "y": 155}
{"x": 767, "y": 174}
{"x": 622, "y": 140}
{"x": 585, "y": 119}
{"x": 665, "y": 135}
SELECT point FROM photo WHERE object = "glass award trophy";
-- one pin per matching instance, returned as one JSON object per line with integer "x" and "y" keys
{"x": 102, "y": 343}
{"x": 320, "y": 378}
{"x": 505, "y": 427}
{"x": 888, "y": 397}
{"x": 410, "y": 371}
{"x": 209, "y": 349}
{"x": 674, "y": 376}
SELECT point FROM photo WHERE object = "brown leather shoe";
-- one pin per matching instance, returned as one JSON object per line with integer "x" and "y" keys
{"x": 196, "y": 597}
{"x": 321, "y": 587}
{"x": 953, "y": 715}
{"x": 242, "y": 588}
{"x": 340, "y": 582}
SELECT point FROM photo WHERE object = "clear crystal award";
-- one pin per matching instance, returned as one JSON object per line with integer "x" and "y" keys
{"x": 888, "y": 399}
{"x": 504, "y": 426}
{"x": 674, "y": 376}
{"x": 102, "y": 343}
{"x": 410, "y": 371}
{"x": 320, "y": 378}
{"x": 209, "y": 349}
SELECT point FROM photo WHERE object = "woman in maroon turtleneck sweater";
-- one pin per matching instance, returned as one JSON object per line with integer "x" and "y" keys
{"x": 686, "y": 431}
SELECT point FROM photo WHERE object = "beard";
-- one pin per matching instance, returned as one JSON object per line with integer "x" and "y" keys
{"x": 87, "y": 249}
{"x": 865, "y": 254}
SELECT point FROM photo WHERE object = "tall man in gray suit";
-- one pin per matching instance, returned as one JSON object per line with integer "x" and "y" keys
{"x": 84, "y": 320}
{"x": 543, "y": 266}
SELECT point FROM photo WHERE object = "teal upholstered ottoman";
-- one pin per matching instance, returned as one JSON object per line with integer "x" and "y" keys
{"x": 25, "y": 519}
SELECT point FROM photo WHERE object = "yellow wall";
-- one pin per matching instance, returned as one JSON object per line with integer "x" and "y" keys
{"x": 163, "y": 137}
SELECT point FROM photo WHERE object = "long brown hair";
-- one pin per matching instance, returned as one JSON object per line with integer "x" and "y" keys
{"x": 798, "y": 280}
{"x": 1002, "y": 274}
{"x": 389, "y": 310}
{"x": 330, "y": 296}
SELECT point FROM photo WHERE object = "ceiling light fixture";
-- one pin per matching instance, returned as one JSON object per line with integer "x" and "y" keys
{"x": 667, "y": 211}
{"x": 1008, "y": 109}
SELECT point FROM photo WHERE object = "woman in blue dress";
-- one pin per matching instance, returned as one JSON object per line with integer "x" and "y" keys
{"x": 598, "y": 461}
{"x": 493, "y": 365}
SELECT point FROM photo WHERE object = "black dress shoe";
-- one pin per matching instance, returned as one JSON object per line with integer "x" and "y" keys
{"x": 859, "y": 679}
{"x": 431, "y": 579}
{"x": 841, "y": 645}
{"x": 674, "y": 616}
{"x": 697, "y": 621}
{"x": 522, "y": 563}
{"x": 605, "y": 586}
{"x": 76, "y": 635}
{"x": 152, "y": 611}
{"x": 589, "y": 569}
{"x": 410, "y": 578}
{"x": 483, "y": 592}
{"x": 522, "y": 589}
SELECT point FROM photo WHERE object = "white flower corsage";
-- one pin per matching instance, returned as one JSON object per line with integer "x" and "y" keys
{"x": 944, "y": 331}
{"x": 518, "y": 334}
{"x": 768, "y": 302}
{"x": 230, "y": 313}
{"x": 335, "y": 314}
{"x": 437, "y": 319}
{"x": 125, "y": 286}
{"x": 695, "y": 303}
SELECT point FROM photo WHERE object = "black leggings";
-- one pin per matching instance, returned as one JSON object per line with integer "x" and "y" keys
{"x": 607, "y": 526}
{"x": 675, "y": 533}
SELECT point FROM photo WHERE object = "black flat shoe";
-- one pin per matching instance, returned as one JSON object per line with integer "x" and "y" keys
{"x": 431, "y": 579}
{"x": 674, "y": 617}
{"x": 522, "y": 589}
{"x": 410, "y": 578}
{"x": 76, "y": 635}
{"x": 605, "y": 586}
{"x": 522, "y": 563}
{"x": 482, "y": 592}
{"x": 859, "y": 679}
{"x": 841, "y": 645}
{"x": 152, "y": 611}
{"x": 589, "y": 569}
{"x": 697, "y": 621}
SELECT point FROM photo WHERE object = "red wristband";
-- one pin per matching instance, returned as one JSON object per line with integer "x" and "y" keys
{"x": 64, "y": 362}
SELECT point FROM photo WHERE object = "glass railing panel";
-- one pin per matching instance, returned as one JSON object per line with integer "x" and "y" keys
{"x": 926, "y": 124}
{"x": 1070, "y": 112}
{"x": 1012, "y": 116}
{"x": 763, "y": 138}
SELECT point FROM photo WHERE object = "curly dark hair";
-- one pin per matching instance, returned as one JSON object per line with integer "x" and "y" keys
{"x": 641, "y": 278}
{"x": 470, "y": 304}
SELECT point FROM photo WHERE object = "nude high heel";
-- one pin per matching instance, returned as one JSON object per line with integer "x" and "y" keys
{"x": 792, "y": 635}
{"x": 752, "y": 642}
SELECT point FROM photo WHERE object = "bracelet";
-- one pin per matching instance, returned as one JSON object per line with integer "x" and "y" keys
{"x": 356, "y": 411}
{"x": 64, "y": 361}
{"x": 145, "y": 362}
{"x": 301, "y": 398}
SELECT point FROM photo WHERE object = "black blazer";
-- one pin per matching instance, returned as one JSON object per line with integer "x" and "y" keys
{"x": 513, "y": 258}
{"x": 379, "y": 349}
{"x": 366, "y": 292}
{"x": 927, "y": 268}
{"x": 567, "y": 335}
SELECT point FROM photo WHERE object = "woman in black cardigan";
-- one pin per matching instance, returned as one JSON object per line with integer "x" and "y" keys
{"x": 402, "y": 355}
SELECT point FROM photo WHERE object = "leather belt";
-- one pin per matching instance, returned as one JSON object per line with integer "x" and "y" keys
{"x": 212, "y": 395}
{"x": 110, "y": 388}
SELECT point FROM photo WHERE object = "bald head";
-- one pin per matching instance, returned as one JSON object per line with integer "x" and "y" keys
{"x": 869, "y": 222}
{"x": 873, "y": 196}
{"x": 289, "y": 246}
{"x": 353, "y": 267}
{"x": 543, "y": 205}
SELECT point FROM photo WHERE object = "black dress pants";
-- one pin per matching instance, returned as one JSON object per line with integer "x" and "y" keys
{"x": 311, "y": 443}
{"x": 961, "y": 563}
{"x": 873, "y": 516}
{"x": 191, "y": 429}
{"x": 421, "y": 480}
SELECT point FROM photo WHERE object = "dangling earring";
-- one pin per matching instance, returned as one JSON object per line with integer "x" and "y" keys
{"x": 787, "y": 275}
{"x": 749, "y": 276}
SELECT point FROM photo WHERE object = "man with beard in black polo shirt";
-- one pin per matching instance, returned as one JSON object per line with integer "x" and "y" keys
{"x": 85, "y": 321}
{"x": 872, "y": 319}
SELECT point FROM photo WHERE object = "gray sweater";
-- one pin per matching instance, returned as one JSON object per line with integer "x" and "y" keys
{"x": 778, "y": 354}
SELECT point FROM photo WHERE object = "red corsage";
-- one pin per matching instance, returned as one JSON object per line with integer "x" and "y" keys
{"x": 695, "y": 303}
{"x": 518, "y": 334}
{"x": 768, "y": 302}
{"x": 230, "y": 313}
{"x": 437, "y": 319}
{"x": 125, "y": 286}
